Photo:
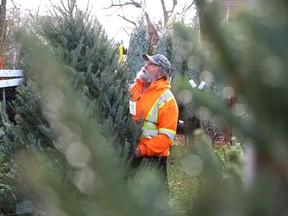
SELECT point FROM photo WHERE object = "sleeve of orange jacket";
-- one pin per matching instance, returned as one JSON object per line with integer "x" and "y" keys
{"x": 167, "y": 119}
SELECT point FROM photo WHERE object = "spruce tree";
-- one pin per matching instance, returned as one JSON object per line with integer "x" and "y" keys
{"x": 184, "y": 67}
{"x": 259, "y": 77}
{"x": 99, "y": 81}
{"x": 248, "y": 54}
{"x": 93, "y": 171}
{"x": 138, "y": 45}
{"x": 82, "y": 44}
{"x": 30, "y": 132}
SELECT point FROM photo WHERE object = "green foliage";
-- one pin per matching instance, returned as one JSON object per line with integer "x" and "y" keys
{"x": 29, "y": 119}
{"x": 231, "y": 161}
{"x": 79, "y": 40}
{"x": 183, "y": 64}
{"x": 248, "y": 54}
{"x": 93, "y": 160}
{"x": 98, "y": 81}
{"x": 81, "y": 43}
{"x": 184, "y": 67}
{"x": 31, "y": 133}
{"x": 138, "y": 45}
{"x": 92, "y": 182}
{"x": 183, "y": 184}
{"x": 164, "y": 44}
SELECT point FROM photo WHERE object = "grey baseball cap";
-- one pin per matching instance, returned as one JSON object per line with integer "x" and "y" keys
{"x": 160, "y": 60}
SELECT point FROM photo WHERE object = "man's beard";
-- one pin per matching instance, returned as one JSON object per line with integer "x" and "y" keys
{"x": 144, "y": 76}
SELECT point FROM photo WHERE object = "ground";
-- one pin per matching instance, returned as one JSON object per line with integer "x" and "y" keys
{"x": 182, "y": 187}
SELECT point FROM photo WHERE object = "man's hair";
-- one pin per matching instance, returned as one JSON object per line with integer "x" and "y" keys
{"x": 164, "y": 72}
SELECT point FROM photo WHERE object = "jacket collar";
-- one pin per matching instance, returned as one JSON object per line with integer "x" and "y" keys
{"x": 157, "y": 85}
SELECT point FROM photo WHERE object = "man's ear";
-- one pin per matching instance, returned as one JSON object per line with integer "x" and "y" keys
{"x": 161, "y": 73}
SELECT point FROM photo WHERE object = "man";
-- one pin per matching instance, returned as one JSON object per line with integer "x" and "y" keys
{"x": 153, "y": 103}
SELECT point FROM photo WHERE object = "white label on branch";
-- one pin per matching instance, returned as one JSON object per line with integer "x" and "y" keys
{"x": 192, "y": 83}
{"x": 202, "y": 84}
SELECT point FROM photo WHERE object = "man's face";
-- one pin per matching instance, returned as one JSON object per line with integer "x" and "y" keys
{"x": 149, "y": 72}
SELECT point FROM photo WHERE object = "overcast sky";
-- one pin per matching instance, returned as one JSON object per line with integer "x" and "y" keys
{"x": 116, "y": 27}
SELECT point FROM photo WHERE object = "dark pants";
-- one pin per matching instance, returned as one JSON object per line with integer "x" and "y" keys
{"x": 159, "y": 163}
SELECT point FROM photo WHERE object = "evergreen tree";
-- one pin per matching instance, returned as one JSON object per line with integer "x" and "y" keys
{"x": 184, "y": 67}
{"x": 29, "y": 132}
{"x": 259, "y": 77}
{"x": 138, "y": 45}
{"x": 164, "y": 44}
{"x": 99, "y": 81}
{"x": 248, "y": 54}
{"x": 101, "y": 191}
{"x": 82, "y": 44}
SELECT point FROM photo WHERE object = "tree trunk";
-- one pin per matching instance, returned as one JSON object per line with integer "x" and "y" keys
{"x": 2, "y": 23}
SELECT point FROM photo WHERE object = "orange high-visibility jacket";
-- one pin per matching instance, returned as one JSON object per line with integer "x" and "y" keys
{"x": 158, "y": 109}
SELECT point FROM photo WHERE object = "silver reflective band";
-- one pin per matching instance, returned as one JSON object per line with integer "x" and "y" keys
{"x": 149, "y": 129}
{"x": 153, "y": 115}
{"x": 149, "y": 133}
{"x": 170, "y": 133}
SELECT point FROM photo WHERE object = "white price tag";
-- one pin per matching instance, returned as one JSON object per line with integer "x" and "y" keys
{"x": 192, "y": 83}
{"x": 132, "y": 107}
{"x": 202, "y": 84}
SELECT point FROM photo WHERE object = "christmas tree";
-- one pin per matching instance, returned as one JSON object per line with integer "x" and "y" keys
{"x": 138, "y": 45}
{"x": 248, "y": 54}
{"x": 79, "y": 42}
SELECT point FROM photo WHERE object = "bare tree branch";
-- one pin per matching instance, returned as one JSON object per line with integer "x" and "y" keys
{"x": 3, "y": 23}
{"x": 186, "y": 8}
{"x": 154, "y": 37}
{"x": 189, "y": 6}
{"x": 14, "y": 3}
{"x": 126, "y": 19}
{"x": 136, "y": 4}
{"x": 152, "y": 29}
{"x": 167, "y": 14}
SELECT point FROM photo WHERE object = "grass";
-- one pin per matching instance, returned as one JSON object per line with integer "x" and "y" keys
{"x": 182, "y": 186}
{"x": 184, "y": 181}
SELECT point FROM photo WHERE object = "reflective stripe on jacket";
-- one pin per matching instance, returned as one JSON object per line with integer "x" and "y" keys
{"x": 159, "y": 111}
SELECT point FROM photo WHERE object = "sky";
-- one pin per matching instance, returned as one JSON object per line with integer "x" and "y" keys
{"x": 116, "y": 27}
